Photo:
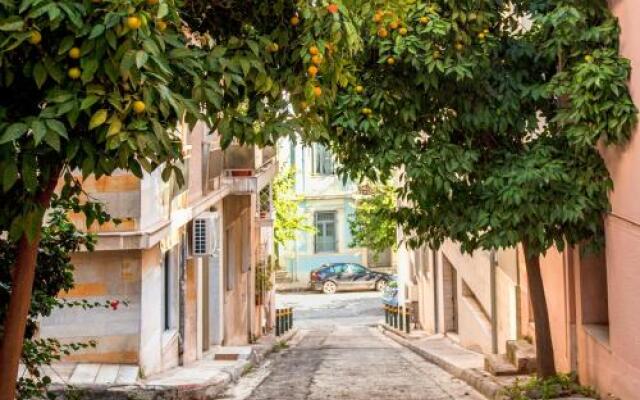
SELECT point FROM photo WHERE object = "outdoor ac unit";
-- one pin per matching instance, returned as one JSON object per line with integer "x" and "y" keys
{"x": 206, "y": 241}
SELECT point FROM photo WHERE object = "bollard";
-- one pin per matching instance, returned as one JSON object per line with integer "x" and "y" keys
{"x": 290, "y": 317}
{"x": 401, "y": 318}
{"x": 407, "y": 320}
{"x": 395, "y": 317}
{"x": 286, "y": 320}
{"x": 386, "y": 314}
{"x": 277, "y": 322}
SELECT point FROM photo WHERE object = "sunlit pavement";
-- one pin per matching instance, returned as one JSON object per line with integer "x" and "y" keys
{"x": 339, "y": 355}
{"x": 318, "y": 310}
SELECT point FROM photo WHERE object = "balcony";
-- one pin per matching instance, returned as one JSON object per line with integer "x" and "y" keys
{"x": 249, "y": 169}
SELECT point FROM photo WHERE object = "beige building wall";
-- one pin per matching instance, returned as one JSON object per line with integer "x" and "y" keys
{"x": 142, "y": 261}
{"x": 453, "y": 294}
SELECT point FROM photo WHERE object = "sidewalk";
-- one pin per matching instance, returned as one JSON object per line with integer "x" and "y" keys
{"x": 203, "y": 379}
{"x": 462, "y": 363}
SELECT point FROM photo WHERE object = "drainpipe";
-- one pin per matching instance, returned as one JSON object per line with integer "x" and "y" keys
{"x": 436, "y": 313}
{"x": 494, "y": 302}
{"x": 182, "y": 283}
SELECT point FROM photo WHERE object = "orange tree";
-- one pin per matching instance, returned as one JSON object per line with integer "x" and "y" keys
{"x": 91, "y": 86}
{"x": 493, "y": 116}
{"x": 493, "y": 113}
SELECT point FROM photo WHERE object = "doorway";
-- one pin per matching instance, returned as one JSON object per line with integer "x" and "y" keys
{"x": 450, "y": 296}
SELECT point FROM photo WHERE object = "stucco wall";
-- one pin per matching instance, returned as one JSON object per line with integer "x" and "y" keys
{"x": 100, "y": 277}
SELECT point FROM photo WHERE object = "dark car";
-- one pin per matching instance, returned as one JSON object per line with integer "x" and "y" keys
{"x": 350, "y": 276}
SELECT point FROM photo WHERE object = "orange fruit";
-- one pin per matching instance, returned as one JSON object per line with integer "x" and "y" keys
{"x": 133, "y": 22}
{"x": 459, "y": 46}
{"x": 74, "y": 73}
{"x": 161, "y": 25}
{"x": 332, "y": 8}
{"x": 482, "y": 36}
{"x": 152, "y": 2}
{"x": 139, "y": 106}
{"x": 317, "y": 59}
{"x": 74, "y": 53}
{"x": 403, "y": 31}
{"x": 294, "y": 21}
{"x": 424, "y": 20}
{"x": 394, "y": 25}
{"x": 273, "y": 47}
{"x": 313, "y": 50}
{"x": 313, "y": 71}
{"x": 359, "y": 89}
{"x": 383, "y": 33}
{"x": 317, "y": 91}
{"x": 35, "y": 37}
{"x": 391, "y": 60}
{"x": 377, "y": 17}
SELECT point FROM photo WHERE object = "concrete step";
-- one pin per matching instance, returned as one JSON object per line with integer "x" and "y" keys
{"x": 522, "y": 354}
{"x": 499, "y": 365}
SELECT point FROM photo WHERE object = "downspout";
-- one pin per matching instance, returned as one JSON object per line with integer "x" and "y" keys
{"x": 494, "y": 302}
{"x": 182, "y": 285}
{"x": 436, "y": 313}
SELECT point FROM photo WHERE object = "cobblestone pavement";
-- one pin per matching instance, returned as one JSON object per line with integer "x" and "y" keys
{"x": 331, "y": 359}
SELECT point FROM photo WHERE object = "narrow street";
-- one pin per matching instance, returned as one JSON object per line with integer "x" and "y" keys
{"x": 339, "y": 354}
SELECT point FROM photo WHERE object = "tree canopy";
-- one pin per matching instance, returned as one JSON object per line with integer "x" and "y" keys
{"x": 493, "y": 110}
{"x": 372, "y": 224}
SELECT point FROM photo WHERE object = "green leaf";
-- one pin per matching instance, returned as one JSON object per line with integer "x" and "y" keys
{"x": 114, "y": 127}
{"x": 88, "y": 101}
{"x": 9, "y": 175}
{"x": 163, "y": 10}
{"x": 96, "y": 31}
{"x": 98, "y": 118}
{"x": 58, "y": 127}
{"x": 89, "y": 68}
{"x": 53, "y": 140}
{"x": 13, "y": 132}
{"x": 141, "y": 58}
{"x": 39, "y": 74}
{"x": 11, "y": 24}
{"x": 39, "y": 130}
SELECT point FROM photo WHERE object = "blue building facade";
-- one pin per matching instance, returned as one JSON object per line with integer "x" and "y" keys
{"x": 328, "y": 203}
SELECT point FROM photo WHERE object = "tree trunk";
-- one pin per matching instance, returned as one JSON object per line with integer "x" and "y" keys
{"x": 23, "y": 275}
{"x": 544, "y": 346}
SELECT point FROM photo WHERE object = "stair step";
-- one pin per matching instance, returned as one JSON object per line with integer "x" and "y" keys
{"x": 522, "y": 354}
{"x": 499, "y": 365}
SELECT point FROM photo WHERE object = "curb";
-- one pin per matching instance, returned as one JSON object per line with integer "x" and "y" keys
{"x": 203, "y": 391}
{"x": 475, "y": 379}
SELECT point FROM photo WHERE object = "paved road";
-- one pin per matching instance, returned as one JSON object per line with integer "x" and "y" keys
{"x": 338, "y": 355}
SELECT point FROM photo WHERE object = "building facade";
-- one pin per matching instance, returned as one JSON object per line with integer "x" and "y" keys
{"x": 592, "y": 298}
{"x": 181, "y": 303}
{"x": 482, "y": 301}
{"x": 329, "y": 203}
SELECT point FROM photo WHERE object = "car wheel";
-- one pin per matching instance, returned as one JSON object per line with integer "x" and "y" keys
{"x": 329, "y": 287}
{"x": 380, "y": 285}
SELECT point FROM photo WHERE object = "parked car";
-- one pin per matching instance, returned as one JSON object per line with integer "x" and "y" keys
{"x": 350, "y": 276}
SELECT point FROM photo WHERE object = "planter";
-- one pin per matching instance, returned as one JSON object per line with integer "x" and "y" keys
{"x": 241, "y": 172}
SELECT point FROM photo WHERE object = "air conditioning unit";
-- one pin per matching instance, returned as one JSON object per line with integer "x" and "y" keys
{"x": 206, "y": 240}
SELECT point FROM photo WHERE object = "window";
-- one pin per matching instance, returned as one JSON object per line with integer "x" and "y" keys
{"x": 325, "y": 231}
{"x": 322, "y": 161}
{"x": 357, "y": 269}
